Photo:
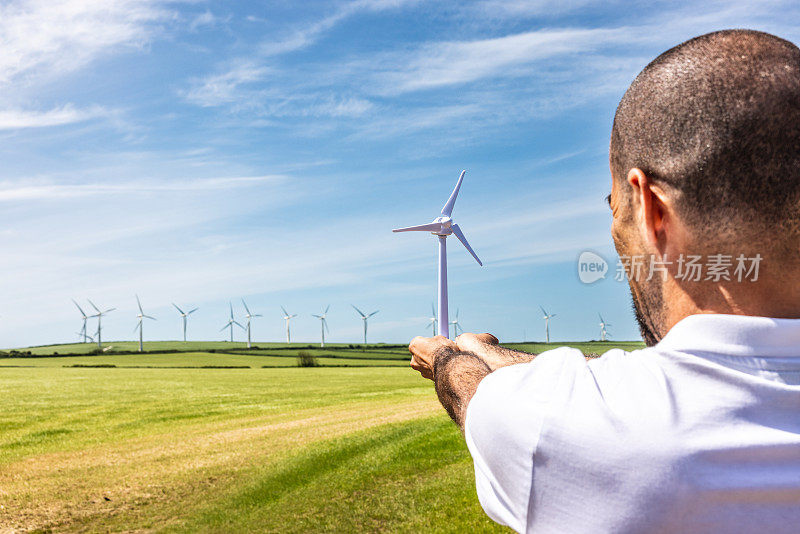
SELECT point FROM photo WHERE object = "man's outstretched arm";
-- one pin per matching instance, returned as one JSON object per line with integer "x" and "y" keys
{"x": 457, "y": 368}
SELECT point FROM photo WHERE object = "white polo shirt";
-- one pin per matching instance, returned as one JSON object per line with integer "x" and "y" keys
{"x": 700, "y": 433}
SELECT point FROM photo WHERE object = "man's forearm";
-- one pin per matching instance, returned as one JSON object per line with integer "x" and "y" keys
{"x": 457, "y": 375}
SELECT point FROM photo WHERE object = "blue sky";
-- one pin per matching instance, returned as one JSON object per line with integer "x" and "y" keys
{"x": 200, "y": 152}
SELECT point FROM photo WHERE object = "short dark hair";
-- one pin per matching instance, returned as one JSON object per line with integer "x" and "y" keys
{"x": 717, "y": 119}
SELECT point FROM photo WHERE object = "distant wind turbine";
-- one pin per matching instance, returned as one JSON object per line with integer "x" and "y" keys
{"x": 82, "y": 334}
{"x": 323, "y": 324}
{"x": 288, "y": 317}
{"x": 141, "y": 316}
{"x": 456, "y": 326}
{"x": 546, "y": 318}
{"x": 442, "y": 227}
{"x": 185, "y": 317}
{"x": 432, "y": 319}
{"x": 364, "y": 318}
{"x": 249, "y": 316}
{"x": 99, "y": 316}
{"x": 603, "y": 331}
{"x": 230, "y": 323}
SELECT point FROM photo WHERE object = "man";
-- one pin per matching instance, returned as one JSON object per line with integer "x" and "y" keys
{"x": 699, "y": 432}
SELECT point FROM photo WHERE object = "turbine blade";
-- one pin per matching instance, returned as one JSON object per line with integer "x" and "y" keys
{"x": 139, "y": 304}
{"x": 325, "y": 323}
{"x": 177, "y": 308}
{"x": 430, "y": 227}
{"x": 327, "y": 308}
{"x": 359, "y": 311}
{"x": 150, "y": 317}
{"x": 194, "y": 310}
{"x": 292, "y": 316}
{"x": 109, "y": 310}
{"x": 447, "y": 210}
{"x": 224, "y": 327}
{"x": 93, "y": 306}
{"x": 433, "y": 309}
{"x": 246, "y": 308}
{"x": 285, "y": 313}
{"x": 79, "y": 308}
{"x": 258, "y": 315}
{"x": 552, "y": 315}
{"x": 373, "y": 313}
{"x": 317, "y": 316}
{"x": 460, "y": 235}
{"x": 239, "y": 325}
{"x": 544, "y": 312}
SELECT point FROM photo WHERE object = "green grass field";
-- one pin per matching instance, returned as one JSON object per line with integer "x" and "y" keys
{"x": 159, "y": 443}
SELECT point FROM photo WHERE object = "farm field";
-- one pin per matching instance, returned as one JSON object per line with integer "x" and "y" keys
{"x": 177, "y": 442}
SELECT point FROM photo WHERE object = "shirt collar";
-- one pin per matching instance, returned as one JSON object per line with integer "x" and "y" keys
{"x": 734, "y": 335}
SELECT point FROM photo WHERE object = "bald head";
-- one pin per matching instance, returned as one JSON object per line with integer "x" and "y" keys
{"x": 717, "y": 120}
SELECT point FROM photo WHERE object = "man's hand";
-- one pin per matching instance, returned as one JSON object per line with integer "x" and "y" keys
{"x": 479, "y": 344}
{"x": 424, "y": 351}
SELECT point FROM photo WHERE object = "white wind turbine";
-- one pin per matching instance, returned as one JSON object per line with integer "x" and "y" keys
{"x": 432, "y": 319}
{"x": 456, "y": 326}
{"x": 547, "y": 318}
{"x": 249, "y": 316}
{"x": 364, "y": 318}
{"x": 288, "y": 317}
{"x": 442, "y": 227}
{"x": 323, "y": 324}
{"x": 230, "y": 323}
{"x": 141, "y": 316}
{"x": 603, "y": 331}
{"x": 99, "y": 316}
{"x": 82, "y": 334}
{"x": 185, "y": 317}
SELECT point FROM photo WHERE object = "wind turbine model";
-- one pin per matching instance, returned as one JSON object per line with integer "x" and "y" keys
{"x": 455, "y": 324}
{"x": 230, "y": 323}
{"x": 603, "y": 331}
{"x": 364, "y": 318}
{"x": 141, "y": 316}
{"x": 432, "y": 319}
{"x": 442, "y": 227}
{"x": 249, "y": 316}
{"x": 82, "y": 333}
{"x": 323, "y": 324}
{"x": 287, "y": 317}
{"x": 546, "y": 318}
{"x": 99, "y": 316}
{"x": 185, "y": 317}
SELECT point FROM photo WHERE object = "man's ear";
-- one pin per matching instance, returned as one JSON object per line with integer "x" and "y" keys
{"x": 653, "y": 208}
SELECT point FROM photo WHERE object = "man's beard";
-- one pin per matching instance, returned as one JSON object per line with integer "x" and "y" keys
{"x": 647, "y": 315}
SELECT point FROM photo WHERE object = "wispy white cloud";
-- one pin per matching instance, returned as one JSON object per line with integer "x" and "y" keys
{"x": 15, "y": 119}
{"x": 20, "y": 191}
{"x": 225, "y": 88}
{"x": 43, "y": 38}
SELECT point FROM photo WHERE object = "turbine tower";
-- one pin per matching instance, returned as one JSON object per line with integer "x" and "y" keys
{"x": 141, "y": 316}
{"x": 603, "y": 331}
{"x": 288, "y": 317}
{"x": 456, "y": 326}
{"x": 249, "y": 316}
{"x": 442, "y": 227}
{"x": 99, "y": 316}
{"x": 432, "y": 319}
{"x": 323, "y": 324}
{"x": 364, "y": 318}
{"x": 82, "y": 334}
{"x": 185, "y": 317}
{"x": 546, "y": 318}
{"x": 230, "y": 323}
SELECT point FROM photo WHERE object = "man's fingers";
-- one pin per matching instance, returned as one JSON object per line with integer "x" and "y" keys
{"x": 488, "y": 338}
{"x": 475, "y": 342}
